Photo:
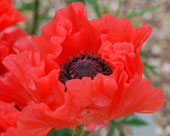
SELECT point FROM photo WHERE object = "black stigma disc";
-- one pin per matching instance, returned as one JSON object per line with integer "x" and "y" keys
{"x": 84, "y": 66}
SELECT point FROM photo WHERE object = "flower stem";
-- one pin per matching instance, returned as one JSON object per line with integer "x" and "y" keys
{"x": 78, "y": 130}
{"x": 36, "y": 14}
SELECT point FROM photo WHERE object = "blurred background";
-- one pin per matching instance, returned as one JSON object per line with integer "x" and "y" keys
{"x": 155, "y": 54}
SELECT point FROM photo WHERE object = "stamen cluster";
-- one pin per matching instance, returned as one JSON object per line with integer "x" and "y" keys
{"x": 84, "y": 66}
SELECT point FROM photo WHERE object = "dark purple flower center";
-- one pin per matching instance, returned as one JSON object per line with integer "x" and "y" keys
{"x": 84, "y": 66}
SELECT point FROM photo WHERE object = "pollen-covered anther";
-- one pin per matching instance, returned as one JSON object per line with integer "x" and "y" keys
{"x": 84, "y": 66}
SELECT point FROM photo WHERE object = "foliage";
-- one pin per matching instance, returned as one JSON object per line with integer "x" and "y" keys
{"x": 70, "y": 1}
{"x": 26, "y": 7}
{"x": 135, "y": 13}
{"x": 61, "y": 132}
{"x": 118, "y": 9}
{"x": 95, "y": 5}
{"x": 129, "y": 120}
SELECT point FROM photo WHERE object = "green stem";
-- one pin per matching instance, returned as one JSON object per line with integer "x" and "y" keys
{"x": 36, "y": 13}
{"x": 85, "y": 133}
{"x": 78, "y": 130}
{"x": 118, "y": 9}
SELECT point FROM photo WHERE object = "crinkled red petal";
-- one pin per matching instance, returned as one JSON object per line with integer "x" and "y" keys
{"x": 19, "y": 132}
{"x": 8, "y": 116}
{"x": 9, "y": 15}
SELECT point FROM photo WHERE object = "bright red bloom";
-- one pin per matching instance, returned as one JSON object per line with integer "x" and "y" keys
{"x": 8, "y": 14}
{"x": 68, "y": 96}
{"x": 8, "y": 121}
{"x": 8, "y": 37}
{"x": 18, "y": 132}
{"x": 8, "y": 116}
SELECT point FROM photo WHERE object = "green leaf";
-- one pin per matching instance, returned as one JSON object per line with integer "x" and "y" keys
{"x": 140, "y": 13}
{"x": 136, "y": 21}
{"x": 121, "y": 133}
{"x": 70, "y": 1}
{"x": 85, "y": 133}
{"x": 134, "y": 122}
{"x": 51, "y": 133}
{"x": 113, "y": 122}
{"x": 105, "y": 9}
{"x": 118, "y": 9}
{"x": 61, "y": 132}
{"x": 111, "y": 131}
{"x": 95, "y": 5}
{"x": 26, "y": 6}
{"x": 94, "y": 134}
{"x": 151, "y": 68}
{"x": 148, "y": 66}
{"x": 143, "y": 54}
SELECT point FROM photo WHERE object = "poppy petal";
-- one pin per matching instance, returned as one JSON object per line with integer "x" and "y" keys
{"x": 9, "y": 15}
{"x": 8, "y": 116}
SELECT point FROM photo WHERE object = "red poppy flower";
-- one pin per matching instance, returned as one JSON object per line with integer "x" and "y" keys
{"x": 8, "y": 17}
{"x": 101, "y": 81}
{"x": 8, "y": 116}
{"x": 9, "y": 14}
{"x": 18, "y": 132}
{"x": 8, "y": 37}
